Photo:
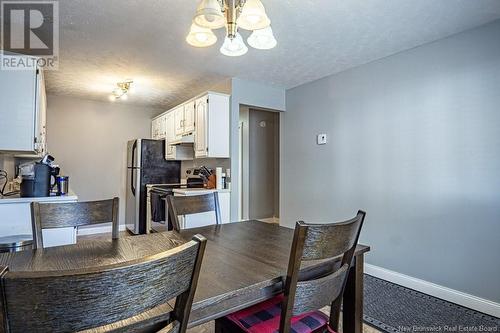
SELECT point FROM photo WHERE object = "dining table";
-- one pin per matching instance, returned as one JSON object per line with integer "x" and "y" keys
{"x": 244, "y": 263}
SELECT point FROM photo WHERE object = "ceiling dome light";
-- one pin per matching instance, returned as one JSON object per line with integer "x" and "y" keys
{"x": 200, "y": 37}
{"x": 253, "y": 16}
{"x": 209, "y": 15}
{"x": 262, "y": 39}
{"x": 234, "y": 47}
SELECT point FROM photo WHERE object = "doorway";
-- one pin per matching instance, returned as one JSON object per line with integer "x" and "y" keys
{"x": 259, "y": 164}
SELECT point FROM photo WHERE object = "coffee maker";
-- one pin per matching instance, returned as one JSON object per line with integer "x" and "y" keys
{"x": 36, "y": 177}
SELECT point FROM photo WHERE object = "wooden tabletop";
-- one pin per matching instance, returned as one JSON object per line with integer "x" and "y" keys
{"x": 243, "y": 264}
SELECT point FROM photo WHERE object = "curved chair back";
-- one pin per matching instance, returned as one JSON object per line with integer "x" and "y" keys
{"x": 331, "y": 247}
{"x": 109, "y": 298}
{"x": 77, "y": 214}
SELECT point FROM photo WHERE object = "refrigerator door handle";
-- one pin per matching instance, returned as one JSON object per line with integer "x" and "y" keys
{"x": 132, "y": 188}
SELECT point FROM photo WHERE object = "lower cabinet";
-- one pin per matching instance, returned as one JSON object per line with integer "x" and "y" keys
{"x": 16, "y": 220}
{"x": 208, "y": 218}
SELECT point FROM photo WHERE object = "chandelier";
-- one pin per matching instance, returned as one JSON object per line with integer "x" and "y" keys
{"x": 231, "y": 14}
{"x": 121, "y": 90}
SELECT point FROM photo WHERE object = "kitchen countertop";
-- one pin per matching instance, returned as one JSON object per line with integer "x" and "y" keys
{"x": 71, "y": 197}
{"x": 187, "y": 191}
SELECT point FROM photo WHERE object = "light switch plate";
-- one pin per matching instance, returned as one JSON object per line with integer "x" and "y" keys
{"x": 321, "y": 139}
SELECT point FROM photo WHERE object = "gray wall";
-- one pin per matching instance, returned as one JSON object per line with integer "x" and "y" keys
{"x": 89, "y": 141}
{"x": 251, "y": 94}
{"x": 263, "y": 171}
{"x": 414, "y": 139}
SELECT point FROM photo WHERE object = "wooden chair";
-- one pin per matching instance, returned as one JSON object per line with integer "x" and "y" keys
{"x": 186, "y": 205}
{"x": 61, "y": 215}
{"x": 113, "y": 298}
{"x": 326, "y": 250}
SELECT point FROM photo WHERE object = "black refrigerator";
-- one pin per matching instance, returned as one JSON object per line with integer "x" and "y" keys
{"x": 146, "y": 164}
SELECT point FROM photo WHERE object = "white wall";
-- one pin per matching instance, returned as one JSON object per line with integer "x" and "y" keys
{"x": 414, "y": 139}
{"x": 89, "y": 140}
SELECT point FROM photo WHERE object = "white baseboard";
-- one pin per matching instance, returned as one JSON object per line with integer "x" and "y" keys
{"x": 448, "y": 294}
{"x": 98, "y": 230}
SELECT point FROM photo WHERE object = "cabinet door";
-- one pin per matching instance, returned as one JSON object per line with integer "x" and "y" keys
{"x": 225, "y": 206}
{"x": 179, "y": 121}
{"x": 154, "y": 129}
{"x": 162, "y": 128}
{"x": 200, "y": 134}
{"x": 41, "y": 116}
{"x": 170, "y": 135}
{"x": 189, "y": 117}
{"x": 18, "y": 110}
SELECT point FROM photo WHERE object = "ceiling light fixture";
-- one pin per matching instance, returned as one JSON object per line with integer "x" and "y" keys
{"x": 120, "y": 92}
{"x": 231, "y": 14}
{"x": 200, "y": 37}
{"x": 262, "y": 39}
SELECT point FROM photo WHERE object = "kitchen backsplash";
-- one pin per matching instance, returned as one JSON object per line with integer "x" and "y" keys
{"x": 211, "y": 163}
{"x": 7, "y": 163}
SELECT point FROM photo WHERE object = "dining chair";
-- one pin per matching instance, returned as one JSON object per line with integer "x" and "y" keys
{"x": 113, "y": 298}
{"x": 187, "y": 205}
{"x": 320, "y": 259}
{"x": 77, "y": 214}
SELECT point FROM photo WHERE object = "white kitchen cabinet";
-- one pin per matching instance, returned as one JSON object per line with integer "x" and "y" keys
{"x": 178, "y": 152}
{"x": 208, "y": 218}
{"x": 206, "y": 118}
{"x": 189, "y": 115}
{"x": 211, "y": 136}
{"x": 184, "y": 119}
{"x": 170, "y": 137}
{"x": 23, "y": 111}
{"x": 158, "y": 128}
{"x": 16, "y": 220}
{"x": 179, "y": 121}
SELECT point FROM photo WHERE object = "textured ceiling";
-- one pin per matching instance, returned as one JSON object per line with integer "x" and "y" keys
{"x": 105, "y": 41}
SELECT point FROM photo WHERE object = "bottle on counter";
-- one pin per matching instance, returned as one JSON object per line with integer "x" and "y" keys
{"x": 224, "y": 184}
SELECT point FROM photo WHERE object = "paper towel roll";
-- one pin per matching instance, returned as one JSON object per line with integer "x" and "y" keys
{"x": 218, "y": 177}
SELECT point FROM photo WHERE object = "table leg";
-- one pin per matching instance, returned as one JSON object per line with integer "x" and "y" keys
{"x": 352, "y": 315}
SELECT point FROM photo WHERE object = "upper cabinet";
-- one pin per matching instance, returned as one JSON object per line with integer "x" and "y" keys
{"x": 23, "y": 111}
{"x": 158, "y": 128}
{"x": 211, "y": 138}
{"x": 175, "y": 152}
{"x": 205, "y": 119}
{"x": 189, "y": 117}
{"x": 169, "y": 149}
{"x": 184, "y": 119}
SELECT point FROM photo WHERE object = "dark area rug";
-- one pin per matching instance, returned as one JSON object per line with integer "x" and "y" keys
{"x": 392, "y": 308}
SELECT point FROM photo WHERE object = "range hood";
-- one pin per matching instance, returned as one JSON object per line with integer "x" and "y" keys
{"x": 183, "y": 140}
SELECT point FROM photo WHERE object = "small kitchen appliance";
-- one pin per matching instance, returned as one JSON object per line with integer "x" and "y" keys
{"x": 36, "y": 178}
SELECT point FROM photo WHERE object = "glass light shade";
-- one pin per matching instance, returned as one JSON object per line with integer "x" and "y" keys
{"x": 209, "y": 15}
{"x": 262, "y": 39}
{"x": 200, "y": 37}
{"x": 234, "y": 47}
{"x": 253, "y": 16}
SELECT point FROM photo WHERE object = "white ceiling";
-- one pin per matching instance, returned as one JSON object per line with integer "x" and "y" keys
{"x": 105, "y": 41}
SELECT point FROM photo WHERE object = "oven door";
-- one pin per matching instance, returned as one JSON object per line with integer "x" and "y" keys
{"x": 158, "y": 210}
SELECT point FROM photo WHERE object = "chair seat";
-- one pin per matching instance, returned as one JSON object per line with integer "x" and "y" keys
{"x": 265, "y": 318}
